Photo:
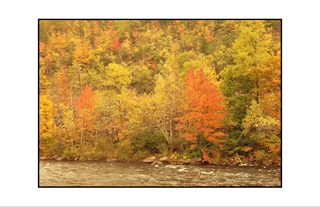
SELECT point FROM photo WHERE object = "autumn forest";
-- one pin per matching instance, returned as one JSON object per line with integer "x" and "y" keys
{"x": 130, "y": 89}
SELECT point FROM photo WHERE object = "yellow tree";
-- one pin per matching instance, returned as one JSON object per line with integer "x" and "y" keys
{"x": 263, "y": 129}
{"x": 43, "y": 80}
{"x": 62, "y": 90}
{"x": 83, "y": 56}
{"x": 167, "y": 91}
{"x": 242, "y": 81}
{"x": 55, "y": 52}
{"x": 271, "y": 87}
{"x": 45, "y": 120}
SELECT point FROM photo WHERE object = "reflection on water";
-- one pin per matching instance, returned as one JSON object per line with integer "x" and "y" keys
{"x": 99, "y": 173}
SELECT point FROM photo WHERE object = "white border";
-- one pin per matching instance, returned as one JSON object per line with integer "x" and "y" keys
{"x": 18, "y": 105}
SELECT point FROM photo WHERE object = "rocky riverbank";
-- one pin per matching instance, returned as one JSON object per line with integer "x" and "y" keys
{"x": 198, "y": 161}
{"x": 165, "y": 161}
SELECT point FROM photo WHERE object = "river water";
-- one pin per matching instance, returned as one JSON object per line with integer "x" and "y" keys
{"x": 109, "y": 174}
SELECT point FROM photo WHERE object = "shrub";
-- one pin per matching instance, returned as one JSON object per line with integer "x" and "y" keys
{"x": 261, "y": 155}
{"x": 196, "y": 154}
{"x": 125, "y": 151}
{"x": 140, "y": 154}
{"x": 149, "y": 141}
{"x": 70, "y": 152}
{"x": 163, "y": 148}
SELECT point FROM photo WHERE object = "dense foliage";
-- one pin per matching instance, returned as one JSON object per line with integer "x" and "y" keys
{"x": 127, "y": 89}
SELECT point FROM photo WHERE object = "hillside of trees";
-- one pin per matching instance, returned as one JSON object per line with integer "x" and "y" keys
{"x": 128, "y": 89}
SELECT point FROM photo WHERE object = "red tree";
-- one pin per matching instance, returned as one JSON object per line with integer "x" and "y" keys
{"x": 85, "y": 112}
{"x": 116, "y": 46}
{"x": 202, "y": 108}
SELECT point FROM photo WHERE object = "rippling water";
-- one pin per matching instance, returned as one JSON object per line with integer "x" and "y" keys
{"x": 99, "y": 173}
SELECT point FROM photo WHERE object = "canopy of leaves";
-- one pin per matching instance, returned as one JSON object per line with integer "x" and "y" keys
{"x": 202, "y": 108}
{"x": 176, "y": 87}
{"x": 256, "y": 121}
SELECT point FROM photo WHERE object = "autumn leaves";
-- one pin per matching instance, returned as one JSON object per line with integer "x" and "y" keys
{"x": 85, "y": 112}
{"x": 127, "y": 89}
{"x": 188, "y": 109}
{"x": 202, "y": 108}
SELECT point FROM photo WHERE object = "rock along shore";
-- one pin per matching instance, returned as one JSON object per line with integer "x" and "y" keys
{"x": 165, "y": 160}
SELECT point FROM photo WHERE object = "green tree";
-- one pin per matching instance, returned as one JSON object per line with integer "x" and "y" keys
{"x": 242, "y": 80}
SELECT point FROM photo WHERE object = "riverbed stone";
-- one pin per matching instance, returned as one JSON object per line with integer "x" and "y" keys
{"x": 186, "y": 161}
{"x": 243, "y": 164}
{"x": 163, "y": 159}
{"x": 195, "y": 161}
{"x": 59, "y": 158}
{"x": 112, "y": 160}
{"x": 159, "y": 162}
{"x": 75, "y": 159}
{"x": 198, "y": 159}
{"x": 149, "y": 159}
{"x": 234, "y": 163}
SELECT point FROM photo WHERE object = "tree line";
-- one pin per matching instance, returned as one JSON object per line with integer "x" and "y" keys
{"x": 128, "y": 89}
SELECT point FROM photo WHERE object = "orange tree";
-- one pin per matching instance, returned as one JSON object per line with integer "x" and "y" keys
{"x": 85, "y": 113}
{"x": 203, "y": 110}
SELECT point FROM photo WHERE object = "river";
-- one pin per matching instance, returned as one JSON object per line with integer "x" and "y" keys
{"x": 109, "y": 174}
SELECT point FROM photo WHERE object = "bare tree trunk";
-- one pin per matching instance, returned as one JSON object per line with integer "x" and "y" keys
{"x": 81, "y": 131}
{"x": 79, "y": 79}
{"x": 96, "y": 139}
{"x": 171, "y": 132}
